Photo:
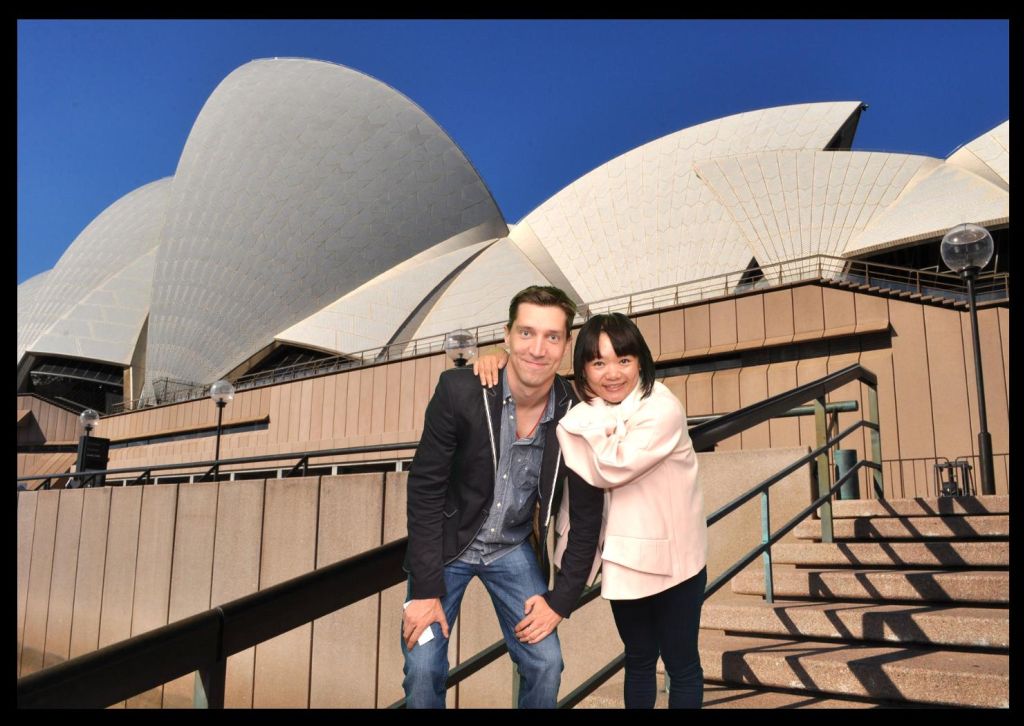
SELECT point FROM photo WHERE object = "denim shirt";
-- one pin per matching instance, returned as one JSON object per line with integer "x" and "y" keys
{"x": 510, "y": 519}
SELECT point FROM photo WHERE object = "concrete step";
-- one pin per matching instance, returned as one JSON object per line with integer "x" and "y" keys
{"x": 935, "y": 553}
{"x": 981, "y": 586}
{"x": 922, "y": 675}
{"x": 725, "y": 695}
{"x": 920, "y": 507}
{"x": 915, "y": 624}
{"x": 948, "y": 527}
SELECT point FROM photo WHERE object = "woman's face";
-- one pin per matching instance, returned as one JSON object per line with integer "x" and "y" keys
{"x": 612, "y": 377}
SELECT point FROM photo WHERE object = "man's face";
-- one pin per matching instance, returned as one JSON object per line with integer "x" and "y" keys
{"x": 536, "y": 343}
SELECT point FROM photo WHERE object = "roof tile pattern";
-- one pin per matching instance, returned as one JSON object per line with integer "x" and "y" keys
{"x": 930, "y": 205}
{"x": 649, "y": 213}
{"x": 988, "y": 155}
{"x": 369, "y": 316}
{"x": 481, "y": 293}
{"x": 95, "y": 299}
{"x": 791, "y": 204}
{"x": 300, "y": 181}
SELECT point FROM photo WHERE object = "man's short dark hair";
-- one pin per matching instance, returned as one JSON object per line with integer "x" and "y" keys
{"x": 547, "y": 296}
{"x": 626, "y": 339}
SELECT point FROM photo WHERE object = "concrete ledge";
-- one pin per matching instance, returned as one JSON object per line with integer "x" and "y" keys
{"x": 958, "y": 527}
{"x": 920, "y": 675}
{"x": 914, "y": 585}
{"x": 920, "y": 507}
{"x": 920, "y": 624}
{"x": 927, "y": 554}
{"x": 724, "y": 695}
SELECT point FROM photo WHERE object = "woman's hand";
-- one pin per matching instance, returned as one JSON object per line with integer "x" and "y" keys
{"x": 487, "y": 366}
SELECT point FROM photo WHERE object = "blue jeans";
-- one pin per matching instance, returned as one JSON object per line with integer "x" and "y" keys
{"x": 509, "y": 581}
{"x": 665, "y": 624}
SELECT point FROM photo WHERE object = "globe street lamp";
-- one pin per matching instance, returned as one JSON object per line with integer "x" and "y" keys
{"x": 89, "y": 419}
{"x": 221, "y": 392}
{"x": 460, "y": 345}
{"x": 966, "y": 249}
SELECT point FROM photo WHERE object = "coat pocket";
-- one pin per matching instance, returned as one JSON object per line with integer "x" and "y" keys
{"x": 450, "y": 533}
{"x": 644, "y": 555}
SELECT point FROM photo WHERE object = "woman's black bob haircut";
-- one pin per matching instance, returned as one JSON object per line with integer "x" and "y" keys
{"x": 626, "y": 340}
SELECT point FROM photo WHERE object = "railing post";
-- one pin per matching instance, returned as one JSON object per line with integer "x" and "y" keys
{"x": 876, "y": 441}
{"x": 766, "y": 556}
{"x": 515, "y": 685}
{"x": 209, "y": 685}
{"x": 821, "y": 431}
{"x": 209, "y": 681}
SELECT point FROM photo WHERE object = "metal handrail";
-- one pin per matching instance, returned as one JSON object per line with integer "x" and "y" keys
{"x": 300, "y": 455}
{"x": 994, "y": 286}
{"x": 708, "y": 434}
{"x": 203, "y": 642}
{"x": 303, "y": 457}
{"x": 762, "y": 488}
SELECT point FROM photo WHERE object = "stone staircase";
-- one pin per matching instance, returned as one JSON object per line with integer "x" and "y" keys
{"x": 908, "y": 606}
{"x": 894, "y": 289}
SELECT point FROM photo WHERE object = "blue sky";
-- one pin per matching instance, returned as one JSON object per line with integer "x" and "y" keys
{"x": 106, "y": 106}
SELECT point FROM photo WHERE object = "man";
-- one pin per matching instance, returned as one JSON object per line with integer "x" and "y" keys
{"x": 488, "y": 465}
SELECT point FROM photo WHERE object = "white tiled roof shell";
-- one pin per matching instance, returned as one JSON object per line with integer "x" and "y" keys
{"x": 987, "y": 156}
{"x": 93, "y": 302}
{"x": 645, "y": 219}
{"x": 27, "y": 292}
{"x": 300, "y": 181}
{"x": 792, "y": 204}
{"x": 942, "y": 196}
{"x": 481, "y": 293}
{"x": 106, "y": 324}
{"x": 369, "y": 316}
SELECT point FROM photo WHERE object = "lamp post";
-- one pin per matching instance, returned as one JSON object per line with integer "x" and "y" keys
{"x": 88, "y": 418}
{"x": 221, "y": 392}
{"x": 966, "y": 249}
{"x": 460, "y": 345}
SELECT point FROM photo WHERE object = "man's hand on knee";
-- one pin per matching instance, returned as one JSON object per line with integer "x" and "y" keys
{"x": 418, "y": 616}
{"x": 540, "y": 621}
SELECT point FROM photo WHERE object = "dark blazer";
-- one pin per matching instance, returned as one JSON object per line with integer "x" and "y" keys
{"x": 451, "y": 487}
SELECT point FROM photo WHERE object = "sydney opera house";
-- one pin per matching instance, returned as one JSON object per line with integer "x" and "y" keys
{"x": 319, "y": 238}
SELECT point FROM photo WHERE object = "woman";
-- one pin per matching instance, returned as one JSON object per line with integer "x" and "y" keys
{"x": 628, "y": 436}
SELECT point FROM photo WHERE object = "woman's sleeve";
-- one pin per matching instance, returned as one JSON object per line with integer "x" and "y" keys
{"x": 610, "y": 453}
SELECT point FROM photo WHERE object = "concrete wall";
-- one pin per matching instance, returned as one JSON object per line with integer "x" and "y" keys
{"x": 725, "y": 476}
{"x": 775, "y": 340}
{"x": 97, "y": 566}
{"x": 49, "y": 423}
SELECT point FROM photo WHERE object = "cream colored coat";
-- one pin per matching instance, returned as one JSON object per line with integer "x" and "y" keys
{"x": 655, "y": 534}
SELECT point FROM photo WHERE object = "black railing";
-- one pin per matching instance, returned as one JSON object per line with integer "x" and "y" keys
{"x": 204, "y": 468}
{"x": 203, "y": 642}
